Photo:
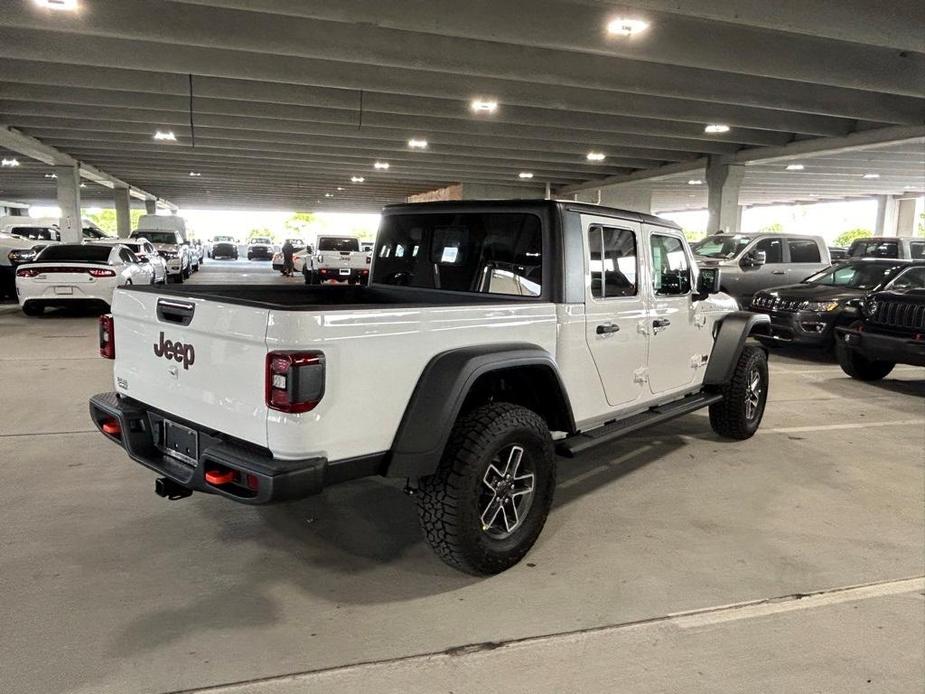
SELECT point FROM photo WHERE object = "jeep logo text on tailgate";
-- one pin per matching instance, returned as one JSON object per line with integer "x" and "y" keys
{"x": 177, "y": 351}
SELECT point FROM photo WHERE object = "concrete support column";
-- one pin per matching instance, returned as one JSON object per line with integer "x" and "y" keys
{"x": 69, "y": 202}
{"x": 632, "y": 198}
{"x": 905, "y": 217}
{"x": 724, "y": 180}
{"x": 887, "y": 216}
{"x": 151, "y": 206}
{"x": 122, "y": 201}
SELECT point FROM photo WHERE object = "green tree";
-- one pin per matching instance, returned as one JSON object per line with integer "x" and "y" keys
{"x": 106, "y": 219}
{"x": 920, "y": 229}
{"x": 300, "y": 223}
{"x": 845, "y": 238}
{"x": 693, "y": 235}
{"x": 775, "y": 228}
{"x": 261, "y": 232}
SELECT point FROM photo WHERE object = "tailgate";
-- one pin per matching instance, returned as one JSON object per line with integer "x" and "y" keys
{"x": 213, "y": 369}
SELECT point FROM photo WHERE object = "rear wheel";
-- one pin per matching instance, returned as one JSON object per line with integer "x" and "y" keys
{"x": 739, "y": 413}
{"x": 860, "y": 367}
{"x": 311, "y": 277}
{"x": 31, "y": 308}
{"x": 484, "y": 507}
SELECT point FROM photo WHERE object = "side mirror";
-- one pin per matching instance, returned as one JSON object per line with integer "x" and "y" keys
{"x": 708, "y": 282}
{"x": 754, "y": 259}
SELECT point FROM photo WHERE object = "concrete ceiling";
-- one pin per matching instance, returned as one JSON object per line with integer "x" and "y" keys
{"x": 279, "y": 102}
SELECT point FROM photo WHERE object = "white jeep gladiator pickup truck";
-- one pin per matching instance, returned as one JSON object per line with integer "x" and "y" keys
{"x": 337, "y": 258}
{"x": 511, "y": 331}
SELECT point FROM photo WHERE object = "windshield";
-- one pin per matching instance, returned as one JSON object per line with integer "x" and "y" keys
{"x": 223, "y": 239}
{"x": 721, "y": 246}
{"x": 91, "y": 233}
{"x": 332, "y": 243}
{"x": 167, "y": 237}
{"x": 492, "y": 253}
{"x": 37, "y": 233}
{"x": 73, "y": 252}
{"x": 855, "y": 275}
{"x": 261, "y": 241}
{"x": 873, "y": 248}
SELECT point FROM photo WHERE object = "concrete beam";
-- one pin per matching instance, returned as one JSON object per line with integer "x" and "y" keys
{"x": 724, "y": 180}
{"x": 68, "y": 183}
{"x": 854, "y": 142}
{"x": 656, "y": 174}
{"x": 123, "y": 204}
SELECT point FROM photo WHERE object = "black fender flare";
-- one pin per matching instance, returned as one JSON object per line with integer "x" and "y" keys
{"x": 439, "y": 396}
{"x": 730, "y": 334}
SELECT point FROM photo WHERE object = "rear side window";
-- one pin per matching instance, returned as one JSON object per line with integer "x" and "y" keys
{"x": 804, "y": 251}
{"x": 127, "y": 256}
{"x": 36, "y": 233}
{"x": 917, "y": 250}
{"x": 872, "y": 248}
{"x": 489, "y": 253}
{"x": 342, "y": 245}
{"x": 613, "y": 262}
{"x": 773, "y": 250}
{"x": 81, "y": 253}
{"x": 671, "y": 271}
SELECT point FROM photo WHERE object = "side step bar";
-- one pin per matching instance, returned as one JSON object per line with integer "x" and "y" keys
{"x": 609, "y": 432}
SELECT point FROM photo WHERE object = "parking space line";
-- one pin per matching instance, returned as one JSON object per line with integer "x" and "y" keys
{"x": 834, "y": 427}
{"x": 775, "y": 371}
{"x": 690, "y": 619}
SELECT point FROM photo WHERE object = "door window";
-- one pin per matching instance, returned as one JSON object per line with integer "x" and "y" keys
{"x": 773, "y": 250}
{"x": 671, "y": 271}
{"x": 804, "y": 251}
{"x": 913, "y": 278}
{"x": 613, "y": 262}
{"x": 917, "y": 250}
{"x": 127, "y": 256}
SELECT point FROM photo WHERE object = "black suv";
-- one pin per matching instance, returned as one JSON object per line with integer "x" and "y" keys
{"x": 891, "y": 332}
{"x": 808, "y": 313}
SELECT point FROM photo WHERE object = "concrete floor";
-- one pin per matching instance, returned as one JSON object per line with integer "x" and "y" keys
{"x": 636, "y": 584}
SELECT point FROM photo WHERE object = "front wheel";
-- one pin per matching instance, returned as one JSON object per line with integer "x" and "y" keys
{"x": 860, "y": 367}
{"x": 739, "y": 413}
{"x": 485, "y": 505}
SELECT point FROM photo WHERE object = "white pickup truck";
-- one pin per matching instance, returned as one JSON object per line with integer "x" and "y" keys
{"x": 339, "y": 259}
{"x": 491, "y": 336}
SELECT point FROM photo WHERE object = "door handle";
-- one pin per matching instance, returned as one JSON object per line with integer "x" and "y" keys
{"x": 660, "y": 324}
{"x": 607, "y": 328}
{"x": 778, "y": 272}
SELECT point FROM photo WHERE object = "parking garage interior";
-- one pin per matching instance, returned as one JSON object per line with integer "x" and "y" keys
{"x": 671, "y": 560}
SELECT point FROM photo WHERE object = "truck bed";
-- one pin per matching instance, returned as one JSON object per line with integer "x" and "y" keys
{"x": 330, "y": 297}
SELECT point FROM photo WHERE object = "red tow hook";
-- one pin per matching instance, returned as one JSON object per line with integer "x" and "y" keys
{"x": 219, "y": 477}
{"x": 112, "y": 427}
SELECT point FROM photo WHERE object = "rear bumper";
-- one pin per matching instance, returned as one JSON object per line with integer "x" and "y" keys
{"x": 881, "y": 347}
{"x": 258, "y": 478}
{"x": 260, "y": 253}
{"x": 327, "y": 274}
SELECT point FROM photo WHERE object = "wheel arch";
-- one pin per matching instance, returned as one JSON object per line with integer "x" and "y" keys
{"x": 730, "y": 334}
{"x": 460, "y": 379}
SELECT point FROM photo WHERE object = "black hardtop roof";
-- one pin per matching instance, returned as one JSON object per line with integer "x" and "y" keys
{"x": 586, "y": 207}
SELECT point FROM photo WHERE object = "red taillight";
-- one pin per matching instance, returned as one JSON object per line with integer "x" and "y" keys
{"x": 295, "y": 381}
{"x": 26, "y": 272}
{"x": 107, "y": 337}
{"x": 96, "y": 272}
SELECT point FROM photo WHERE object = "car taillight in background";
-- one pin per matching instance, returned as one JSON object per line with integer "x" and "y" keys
{"x": 294, "y": 381}
{"x": 26, "y": 272}
{"x": 97, "y": 272}
{"x": 107, "y": 337}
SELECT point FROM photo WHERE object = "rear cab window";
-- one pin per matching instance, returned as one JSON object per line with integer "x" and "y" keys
{"x": 342, "y": 245}
{"x": 873, "y": 248}
{"x": 476, "y": 252}
{"x": 804, "y": 251}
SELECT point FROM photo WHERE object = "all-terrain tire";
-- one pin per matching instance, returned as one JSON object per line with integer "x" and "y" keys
{"x": 860, "y": 367}
{"x": 738, "y": 414}
{"x": 449, "y": 500}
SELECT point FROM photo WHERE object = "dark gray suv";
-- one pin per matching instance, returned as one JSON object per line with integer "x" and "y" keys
{"x": 751, "y": 262}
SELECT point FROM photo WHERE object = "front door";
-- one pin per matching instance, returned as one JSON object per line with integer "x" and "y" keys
{"x": 773, "y": 273}
{"x": 615, "y": 308}
{"x": 679, "y": 341}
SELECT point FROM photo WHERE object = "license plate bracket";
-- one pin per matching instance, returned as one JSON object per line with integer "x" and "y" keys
{"x": 64, "y": 291}
{"x": 345, "y": 271}
{"x": 180, "y": 442}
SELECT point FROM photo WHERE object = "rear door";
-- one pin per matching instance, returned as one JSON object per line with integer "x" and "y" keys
{"x": 615, "y": 307}
{"x": 806, "y": 258}
{"x": 197, "y": 360}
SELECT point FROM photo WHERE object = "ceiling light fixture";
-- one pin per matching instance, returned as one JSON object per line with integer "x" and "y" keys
{"x": 11, "y": 163}
{"x": 329, "y": 195}
{"x": 414, "y": 143}
{"x": 484, "y": 105}
{"x": 195, "y": 174}
{"x": 383, "y": 165}
{"x": 51, "y": 175}
{"x": 525, "y": 174}
{"x": 58, "y": 4}
{"x": 716, "y": 128}
{"x": 83, "y": 185}
{"x": 357, "y": 179}
{"x": 622, "y": 26}
{"x": 695, "y": 182}
{"x": 339, "y": 188}
{"x": 596, "y": 156}
{"x": 795, "y": 167}
{"x": 165, "y": 135}
{"x": 871, "y": 175}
